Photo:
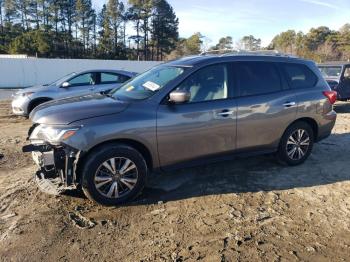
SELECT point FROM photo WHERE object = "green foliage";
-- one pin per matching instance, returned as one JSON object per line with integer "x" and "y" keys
{"x": 224, "y": 43}
{"x": 187, "y": 47}
{"x": 165, "y": 29}
{"x": 250, "y": 43}
{"x": 73, "y": 29}
{"x": 320, "y": 44}
{"x": 31, "y": 43}
{"x": 193, "y": 44}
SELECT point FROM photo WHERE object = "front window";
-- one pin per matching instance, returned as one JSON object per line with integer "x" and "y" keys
{"x": 207, "y": 84}
{"x": 83, "y": 80}
{"x": 330, "y": 71}
{"x": 61, "y": 80}
{"x": 148, "y": 83}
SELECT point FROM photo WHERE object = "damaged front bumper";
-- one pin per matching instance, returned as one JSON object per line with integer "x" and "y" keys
{"x": 57, "y": 167}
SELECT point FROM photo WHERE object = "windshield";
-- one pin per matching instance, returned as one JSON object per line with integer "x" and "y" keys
{"x": 330, "y": 71}
{"x": 145, "y": 85}
{"x": 61, "y": 80}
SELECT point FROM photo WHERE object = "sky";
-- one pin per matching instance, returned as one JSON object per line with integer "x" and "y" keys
{"x": 262, "y": 18}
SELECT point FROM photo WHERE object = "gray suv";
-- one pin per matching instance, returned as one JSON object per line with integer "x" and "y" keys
{"x": 180, "y": 113}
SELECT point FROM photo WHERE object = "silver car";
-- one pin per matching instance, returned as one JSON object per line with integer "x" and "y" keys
{"x": 190, "y": 111}
{"x": 74, "y": 84}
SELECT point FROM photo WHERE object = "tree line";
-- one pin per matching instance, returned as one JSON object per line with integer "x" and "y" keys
{"x": 74, "y": 29}
{"x": 320, "y": 44}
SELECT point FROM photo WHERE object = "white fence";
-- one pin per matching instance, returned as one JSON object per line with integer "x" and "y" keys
{"x": 19, "y": 73}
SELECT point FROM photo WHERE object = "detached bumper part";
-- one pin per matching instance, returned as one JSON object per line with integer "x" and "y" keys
{"x": 57, "y": 167}
{"x": 51, "y": 186}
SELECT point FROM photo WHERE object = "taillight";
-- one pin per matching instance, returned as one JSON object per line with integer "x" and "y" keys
{"x": 331, "y": 95}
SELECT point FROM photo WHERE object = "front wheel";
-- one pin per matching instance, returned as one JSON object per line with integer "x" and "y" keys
{"x": 296, "y": 144}
{"x": 114, "y": 174}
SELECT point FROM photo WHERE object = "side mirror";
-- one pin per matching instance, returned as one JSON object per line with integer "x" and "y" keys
{"x": 179, "y": 96}
{"x": 65, "y": 84}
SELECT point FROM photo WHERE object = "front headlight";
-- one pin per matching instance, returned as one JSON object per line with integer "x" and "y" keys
{"x": 52, "y": 134}
{"x": 25, "y": 94}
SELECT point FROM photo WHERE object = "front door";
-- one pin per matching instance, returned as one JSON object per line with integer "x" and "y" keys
{"x": 82, "y": 84}
{"x": 204, "y": 126}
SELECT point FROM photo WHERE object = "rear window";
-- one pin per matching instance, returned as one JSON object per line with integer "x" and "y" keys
{"x": 112, "y": 78}
{"x": 256, "y": 78}
{"x": 299, "y": 76}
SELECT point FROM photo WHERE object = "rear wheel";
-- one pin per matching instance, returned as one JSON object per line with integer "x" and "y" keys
{"x": 296, "y": 144}
{"x": 114, "y": 175}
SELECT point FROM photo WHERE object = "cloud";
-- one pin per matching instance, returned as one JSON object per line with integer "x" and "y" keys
{"x": 321, "y": 3}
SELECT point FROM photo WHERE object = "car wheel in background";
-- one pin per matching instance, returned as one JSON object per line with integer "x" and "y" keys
{"x": 114, "y": 174}
{"x": 36, "y": 103}
{"x": 296, "y": 144}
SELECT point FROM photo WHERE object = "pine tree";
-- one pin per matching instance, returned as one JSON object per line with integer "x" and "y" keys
{"x": 141, "y": 12}
{"x": 83, "y": 10}
{"x": 10, "y": 8}
{"x": 165, "y": 28}
{"x": 105, "y": 40}
{"x": 113, "y": 13}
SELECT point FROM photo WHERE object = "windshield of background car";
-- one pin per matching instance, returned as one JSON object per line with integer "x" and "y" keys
{"x": 330, "y": 71}
{"x": 147, "y": 84}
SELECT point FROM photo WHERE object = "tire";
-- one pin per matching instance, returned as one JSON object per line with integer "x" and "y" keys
{"x": 100, "y": 167}
{"x": 286, "y": 153}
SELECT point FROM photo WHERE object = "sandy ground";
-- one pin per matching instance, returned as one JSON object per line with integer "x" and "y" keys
{"x": 249, "y": 209}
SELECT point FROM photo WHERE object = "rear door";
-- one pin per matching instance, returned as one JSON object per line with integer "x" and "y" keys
{"x": 109, "y": 80}
{"x": 204, "y": 126}
{"x": 266, "y": 105}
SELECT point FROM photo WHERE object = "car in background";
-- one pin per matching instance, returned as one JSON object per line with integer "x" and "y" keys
{"x": 185, "y": 112}
{"x": 74, "y": 84}
{"x": 337, "y": 75}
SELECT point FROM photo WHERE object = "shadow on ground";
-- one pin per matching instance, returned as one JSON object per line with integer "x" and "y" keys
{"x": 327, "y": 165}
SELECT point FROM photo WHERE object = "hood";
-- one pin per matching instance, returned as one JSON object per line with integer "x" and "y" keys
{"x": 66, "y": 111}
{"x": 34, "y": 89}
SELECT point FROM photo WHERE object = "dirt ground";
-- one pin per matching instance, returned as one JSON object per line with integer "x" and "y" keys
{"x": 249, "y": 209}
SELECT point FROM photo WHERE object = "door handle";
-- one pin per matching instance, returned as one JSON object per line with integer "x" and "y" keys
{"x": 289, "y": 104}
{"x": 225, "y": 113}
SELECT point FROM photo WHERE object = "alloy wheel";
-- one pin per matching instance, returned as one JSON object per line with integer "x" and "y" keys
{"x": 116, "y": 177}
{"x": 298, "y": 144}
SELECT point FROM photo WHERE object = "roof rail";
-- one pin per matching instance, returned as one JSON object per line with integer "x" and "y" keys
{"x": 232, "y": 52}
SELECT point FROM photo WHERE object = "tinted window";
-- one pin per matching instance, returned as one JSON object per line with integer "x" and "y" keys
{"x": 110, "y": 78}
{"x": 256, "y": 78}
{"x": 207, "y": 84}
{"x": 84, "y": 79}
{"x": 299, "y": 76}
